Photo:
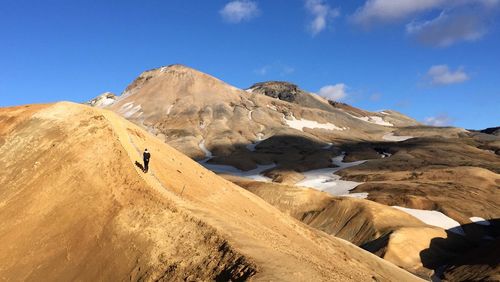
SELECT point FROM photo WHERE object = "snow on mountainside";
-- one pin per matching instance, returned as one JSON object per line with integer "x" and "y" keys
{"x": 187, "y": 108}
{"x": 104, "y": 100}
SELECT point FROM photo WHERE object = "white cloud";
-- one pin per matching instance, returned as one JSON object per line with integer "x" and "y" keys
{"x": 335, "y": 92}
{"x": 459, "y": 20}
{"x": 321, "y": 13}
{"x": 276, "y": 69}
{"x": 285, "y": 70}
{"x": 440, "y": 120}
{"x": 442, "y": 75}
{"x": 390, "y": 10}
{"x": 375, "y": 97}
{"x": 448, "y": 29}
{"x": 239, "y": 10}
{"x": 263, "y": 70}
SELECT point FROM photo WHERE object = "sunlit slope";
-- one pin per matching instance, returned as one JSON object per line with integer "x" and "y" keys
{"x": 74, "y": 205}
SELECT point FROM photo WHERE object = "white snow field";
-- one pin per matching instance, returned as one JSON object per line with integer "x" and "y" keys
{"x": 375, "y": 120}
{"x": 325, "y": 180}
{"x": 320, "y": 179}
{"x": 392, "y": 137}
{"x": 434, "y": 218}
{"x": 254, "y": 174}
{"x": 480, "y": 221}
{"x": 300, "y": 124}
{"x": 104, "y": 102}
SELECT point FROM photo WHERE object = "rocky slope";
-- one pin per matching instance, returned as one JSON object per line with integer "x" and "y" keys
{"x": 291, "y": 93}
{"x": 75, "y": 205}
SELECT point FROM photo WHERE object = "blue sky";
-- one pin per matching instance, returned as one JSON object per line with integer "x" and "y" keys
{"x": 437, "y": 61}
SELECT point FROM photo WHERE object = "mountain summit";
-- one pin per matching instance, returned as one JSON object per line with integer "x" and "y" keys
{"x": 192, "y": 111}
{"x": 290, "y": 92}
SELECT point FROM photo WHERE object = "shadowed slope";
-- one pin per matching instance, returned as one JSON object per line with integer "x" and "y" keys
{"x": 385, "y": 231}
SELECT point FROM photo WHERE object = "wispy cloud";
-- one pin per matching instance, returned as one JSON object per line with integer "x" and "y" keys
{"x": 448, "y": 29}
{"x": 376, "y": 11}
{"x": 275, "y": 69}
{"x": 458, "y": 20}
{"x": 263, "y": 70}
{"x": 442, "y": 75}
{"x": 321, "y": 14}
{"x": 439, "y": 120}
{"x": 239, "y": 10}
{"x": 335, "y": 92}
{"x": 375, "y": 97}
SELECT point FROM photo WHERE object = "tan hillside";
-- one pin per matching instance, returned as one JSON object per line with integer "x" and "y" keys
{"x": 185, "y": 107}
{"x": 385, "y": 231}
{"x": 74, "y": 206}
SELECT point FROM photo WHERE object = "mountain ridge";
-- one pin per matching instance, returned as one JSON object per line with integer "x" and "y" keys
{"x": 107, "y": 219}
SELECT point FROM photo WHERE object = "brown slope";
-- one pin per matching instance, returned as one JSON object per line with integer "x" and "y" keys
{"x": 74, "y": 206}
{"x": 385, "y": 231}
{"x": 185, "y": 106}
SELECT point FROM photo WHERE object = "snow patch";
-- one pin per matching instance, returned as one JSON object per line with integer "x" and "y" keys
{"x": 208, "y": 154}
{"x": 169, "y": 109}
{"x": 434, "y": 218}
{"x": 385, "y": 155}
{"x": 103, "y": 100}
{"x": 272, "y": 107}
{"x": 203, "y": 125}
{"x": 392, "y": 137}
{"x": 327, "y": 146}
{"x": 375, "y": 120}
{"x": 300, "y": 124}
{"x": 362, "y": 195}
{"x": 128, "y": 109}
{"x": 480, "y": 221}
{"x": 254, "y": 174}
{"x": 251, "y": 147}
{"x": 250, "y": 115}
{"x": 325, "y": 180}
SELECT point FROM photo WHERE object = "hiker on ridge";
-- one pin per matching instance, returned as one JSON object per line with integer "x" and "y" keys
{"x": 146, "y": 156}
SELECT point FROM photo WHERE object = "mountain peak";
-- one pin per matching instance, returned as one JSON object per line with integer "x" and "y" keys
{"x": 289, "y": 92}
{"x": 171, "y": 69}
{"x": 282, "y": 90}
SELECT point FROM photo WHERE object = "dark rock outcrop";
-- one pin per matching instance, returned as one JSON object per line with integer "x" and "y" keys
{"x": 291, "y": 93}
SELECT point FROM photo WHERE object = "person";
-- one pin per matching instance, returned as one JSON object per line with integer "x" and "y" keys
{"x": 146, "y": 156}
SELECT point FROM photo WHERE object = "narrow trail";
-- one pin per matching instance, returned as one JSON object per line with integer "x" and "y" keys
{"x": 148, "y": 178}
